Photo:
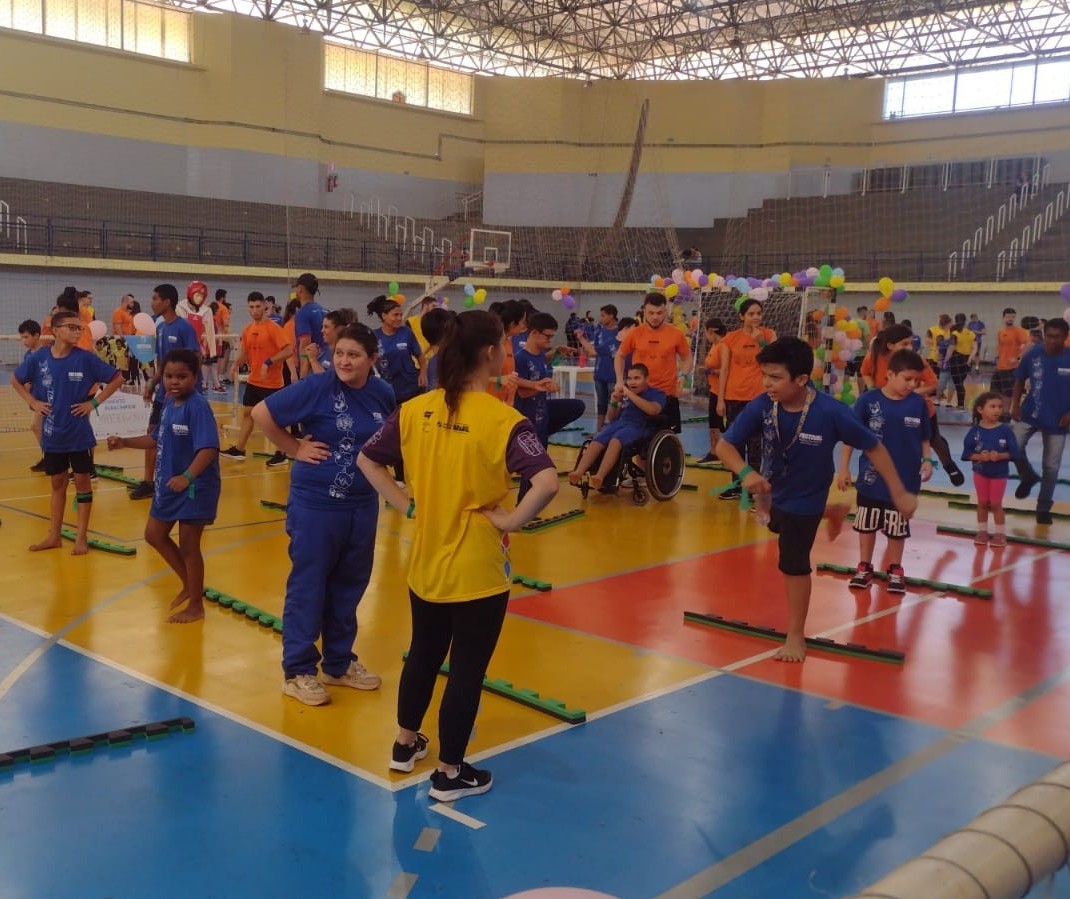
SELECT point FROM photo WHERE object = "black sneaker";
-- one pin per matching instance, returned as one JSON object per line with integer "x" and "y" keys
{"x": 277, "y": 459}
{"x": 955, "y": 475}
{"x": 707, "y": 459}
{"x": 232, "y": 452}
{"x": 862, "y": 577}
{"x": 1044, "y": 517}
{"x": 141, "y": 491}
{"x": 39, "y": 465}
{"x": 468, "y": 782}
{"x": 1025, "y": 486}
{"x": 93, "y": 476}
{"x": 896, "y": 581}
{"x": 405, "y": 758}
{"x": 733, "y": 493}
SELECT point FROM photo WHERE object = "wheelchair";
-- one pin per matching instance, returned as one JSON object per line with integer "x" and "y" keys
{"x": 650, "y": 467}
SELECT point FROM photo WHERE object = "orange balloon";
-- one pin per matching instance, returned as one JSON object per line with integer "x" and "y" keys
{"x": 658, "y": 283}
{"x": 841, "y": 313}
{"x": 882, "y": 304}
{"x": 818, "y": 315}
{"x": 565, "y": 290}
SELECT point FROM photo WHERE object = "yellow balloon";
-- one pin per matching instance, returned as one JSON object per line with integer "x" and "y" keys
{"x": 886, "y": 286}
{"x": 837, "y": 281}
{"x": 785, "y": 279}
{"x": 480, "y": 295}
{"x": 671, "y": 291}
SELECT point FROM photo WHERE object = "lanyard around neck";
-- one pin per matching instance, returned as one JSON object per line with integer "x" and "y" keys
{"x": 811, "y": 394}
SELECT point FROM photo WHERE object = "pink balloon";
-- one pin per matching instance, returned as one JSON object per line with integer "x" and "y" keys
{"x": 556, "y": 296}
{"x": 98, "y": 329}
{"x": 1066, "y": 315}
{"x": 144, "y": 324}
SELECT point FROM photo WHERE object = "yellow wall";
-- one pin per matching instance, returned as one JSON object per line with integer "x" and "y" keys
{"x": 258, "y": 86}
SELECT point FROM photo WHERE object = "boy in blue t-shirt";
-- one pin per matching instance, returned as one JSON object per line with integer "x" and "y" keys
{"x": 800, "y": 428}
{"x": 30, "y": 336}
{"x": 900, "y": 417}
{"x": 56, "y": 382}
{"x": 630, "y": 417}
{"x": 1046, "y": 409}
{"x": 308, "y": 322}
{"x": 602, "y": 345}
{"x": 186, "y": 480}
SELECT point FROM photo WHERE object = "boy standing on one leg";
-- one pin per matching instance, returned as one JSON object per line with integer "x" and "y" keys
{"x": 64, "y": 375}
{"x": 800, "y": 427}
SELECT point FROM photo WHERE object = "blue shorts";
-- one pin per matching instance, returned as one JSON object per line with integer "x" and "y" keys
{"x": 624, "y": 432}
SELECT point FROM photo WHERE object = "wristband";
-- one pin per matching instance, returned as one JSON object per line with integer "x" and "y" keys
{"x": 192, "y": 491}
{"x": 498, "y": 380}
{"x": 744, "y": 471}
{"x": 93, "y": 402}
{"x": 411, "y": 511}
{"x": 189, "y": 478}
{"x": 930, "y": 461}
{"x": 614, "y": 403}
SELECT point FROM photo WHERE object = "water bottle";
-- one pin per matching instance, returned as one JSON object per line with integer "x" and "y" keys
{"x": 763, "y": 504}
{"x": 583, "y": 359}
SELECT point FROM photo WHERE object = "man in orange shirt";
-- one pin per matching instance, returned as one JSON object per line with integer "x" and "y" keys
{"x": 122, "y": 319}
{"x": 264, "y": 347}
{"x": 657, "y": 347}
{"x": 1011, "y": 343}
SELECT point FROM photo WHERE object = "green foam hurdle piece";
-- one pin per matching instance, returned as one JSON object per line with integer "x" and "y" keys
{"x": 268, "y": 504}
{"x": 253, "y": 613}
{"x": 226, "y": 601}
{"x": 1011, "y": 538}
{"x": 113, "y": 474}
{"x": 239, "y": 606}
{"x": 941, "y": 586}
{"x": 543, "y": 523}
{"x": 1059, "y": 516}
{"x": 107, "y": 546}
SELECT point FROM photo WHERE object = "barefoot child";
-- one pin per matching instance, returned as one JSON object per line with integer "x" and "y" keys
{"x": 630, "y": 418}
{"x": 900, "y": 417}
{"x": 989, "y": 445}
{"x": 64, "y": 375}
{"x": 30, "y": 336}
{"x": 186, "y": 478}
{"x": 799, "y": 428}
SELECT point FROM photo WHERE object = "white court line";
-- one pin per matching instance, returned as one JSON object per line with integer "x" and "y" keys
{"x": 448, "y": 811}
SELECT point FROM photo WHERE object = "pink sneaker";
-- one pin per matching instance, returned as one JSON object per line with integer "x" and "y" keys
{"x": 997, "y": 540}
{"x": 981, "y": 539}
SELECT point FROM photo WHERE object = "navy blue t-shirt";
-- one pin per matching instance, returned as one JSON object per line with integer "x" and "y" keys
{"x": 309, "y": 321}
{"x": 902, "y": 426}
{"x": 176, "y": 335}
{"x": 606, "y": 346}
{"x": 62, "y": 382}
{"x": 1048, "y": 399}
{"x": 533, "y": 367}
{"x": 631, "y": 414}
{"x": 183, "y": 431}
{"x": 342, "y": 417}
{"x": 802, "y": 474}
{"x": 395, "y": 363}
{"x": 999, "y": 439}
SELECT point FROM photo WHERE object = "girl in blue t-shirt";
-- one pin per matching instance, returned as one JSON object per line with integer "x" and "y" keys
{"x": 990, "y": 445}
{"x": 319, "y": 357}
{"x": 398, "y": 351}
{"x": 186, "y": 479}
{"x": 331, "y": 513}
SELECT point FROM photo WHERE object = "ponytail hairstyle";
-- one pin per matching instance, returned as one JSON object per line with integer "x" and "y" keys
{"x": 381, "y": 305}
{"x": 68, "y": 299}
{"x": 466, "y": 337}
{"x": 878, "y": 349}
{"x": 960, "y": 322}
{"x": 340, "y": 318}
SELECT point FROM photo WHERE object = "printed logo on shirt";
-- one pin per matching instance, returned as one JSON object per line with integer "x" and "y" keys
{"x": 811, "y": 439}
{"x": 529, "y": 444}
{"x": 403, "y": 346}
{"x": 75, "y": 376}
{"x": 1065, "y": 372}
{"x": 911, "y": 422}
{"x": 180, "y": 430}
{"x": 377, "y": 417}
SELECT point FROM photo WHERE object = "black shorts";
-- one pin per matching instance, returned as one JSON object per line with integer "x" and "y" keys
{"x": 80, "y": 462}
{"x": 716, "y": 422}
{"x": 155, "y": 415}
{"x": 254, "y": 394}
{"x": 670, "y": 414}
{"x": 854, "y": 367}
{"x": 795, "y": 538}
{"x": 876, "y": 515}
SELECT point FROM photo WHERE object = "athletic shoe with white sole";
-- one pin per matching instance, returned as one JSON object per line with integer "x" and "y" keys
{"x": 356, "y": 676}
{"x": 468, "y": 782}
{"x": 404, "y": 758}
{"x": 307, "y": 689}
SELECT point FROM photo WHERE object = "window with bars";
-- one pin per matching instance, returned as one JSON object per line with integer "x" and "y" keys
{"x": 354, "y": 71}
{"x": 131, "y": 25}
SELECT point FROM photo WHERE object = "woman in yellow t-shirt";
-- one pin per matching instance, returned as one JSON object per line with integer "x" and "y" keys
{"x": 460, "y": 445}
{"x": 963, "y": 352}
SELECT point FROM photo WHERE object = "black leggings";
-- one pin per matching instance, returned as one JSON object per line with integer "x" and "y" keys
{"x": 940, "y": 447}
{"x": 468, "y": 631}
{"x": 960, "y": 368}
{"x": 753, "y": 455}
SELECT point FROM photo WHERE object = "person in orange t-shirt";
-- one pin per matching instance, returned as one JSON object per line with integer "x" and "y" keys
{"x": 513, "y": 314}
{"x": 875, "y": 374}
{"x": 741, "y": 375}
{"x": 264, "y": 347}
{"x": 715, "y": 333}
{"x": 1011, "y": 342}
{"x": 122, "y": 319}
{"x": 658, "y": 348}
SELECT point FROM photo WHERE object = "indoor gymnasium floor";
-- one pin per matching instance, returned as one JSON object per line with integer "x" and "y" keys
{"x": 703, "y": 768}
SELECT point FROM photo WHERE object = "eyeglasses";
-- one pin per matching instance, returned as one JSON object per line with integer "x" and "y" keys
{"x": 549, "y": 336}
{"x": 75, "y": 328}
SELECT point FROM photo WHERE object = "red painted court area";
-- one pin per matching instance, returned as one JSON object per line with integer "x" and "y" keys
{"x": 964, "y": 655}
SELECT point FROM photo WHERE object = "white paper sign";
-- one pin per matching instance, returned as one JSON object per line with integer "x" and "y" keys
{"x": 122, "y": 415}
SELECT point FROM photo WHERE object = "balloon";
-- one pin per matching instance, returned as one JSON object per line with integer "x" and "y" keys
{"x": 141, "y": 345}
{"x": 836, "y": 281}
{"x": 565, "y": 290}
{"x": 98, "y": 329}
{"x": 818, "y": 315}
{"x": 671, "y": 291}
{"x": 568, "y": 302}
{"x": 719, "y": 282}
{"x": 696, "y": 273}
{"x": 899, "y": 295}
{"x": 469, "y": 289}
{"x": 841, "y": 314}
{"x": 820, "y": 353}
{"x": 845, "y": 355}
{"x": 703, "y": 280}
{"x": 882, "y": 304}
{"x": 469, "y": 302}
{"x": 1064, "y": 292}
{"x": 1066, "y": 315}
{"x": 785, "y": 279}
{"x": 398, "y": 298}
{"x": 678, "y": 275}
{"x": 556, "y": 296}
{"x": 842, "y": 325}
{"x": 761, "y": 294}
{"x": 480, "y": 296}
{"x": 738, "y": 303}
{"x": 825, "y": 272}
{"x": 818, "y": 373}
{"x": 812, "y": 272}
{"x": 838, "y": 272}
{"x": 144, "y": 324}
{"x": 392, "y": 288}
{"x": 886, "y": 285}
{"x": 856, "y": 345}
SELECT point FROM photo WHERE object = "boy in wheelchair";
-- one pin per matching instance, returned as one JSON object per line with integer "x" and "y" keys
{"x": 632, "y": 416}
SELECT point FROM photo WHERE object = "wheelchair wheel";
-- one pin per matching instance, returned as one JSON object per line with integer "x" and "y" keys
{"x": 640, "y": 496}
{"x": 584, "y": 485}
{"x": 664, "y": 465}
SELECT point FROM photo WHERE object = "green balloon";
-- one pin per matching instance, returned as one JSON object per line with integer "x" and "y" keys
{"x": 826, "y": 272}
{"x": 393, "y": 287}
{"x": 469, "y": 302}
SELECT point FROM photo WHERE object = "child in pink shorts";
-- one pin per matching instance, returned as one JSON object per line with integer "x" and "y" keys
{"x": 989, "y": 445}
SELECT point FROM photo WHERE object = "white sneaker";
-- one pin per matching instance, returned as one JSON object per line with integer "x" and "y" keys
{"x": 307, "y": 689}
{"x": 356, "y": 676}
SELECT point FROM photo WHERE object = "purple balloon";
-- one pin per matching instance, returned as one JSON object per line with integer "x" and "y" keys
{"x": 899, "y": 294}
{"x": 754, "y": 282}
{"x": 1064, "y": 292}
{"x": 568, "y": 302}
